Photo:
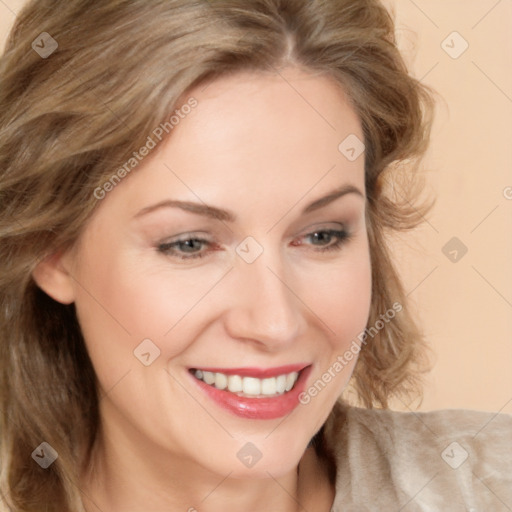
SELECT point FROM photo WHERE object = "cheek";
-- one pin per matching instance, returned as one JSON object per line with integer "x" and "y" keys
{"x": 343, "y": 303}
{"x": 350, "y": 315}
{"x": 343, "y": 298}
{"x": 126, "y": 301}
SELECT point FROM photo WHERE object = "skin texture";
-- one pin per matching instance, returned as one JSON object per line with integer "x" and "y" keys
{"x": 262, "y": 146}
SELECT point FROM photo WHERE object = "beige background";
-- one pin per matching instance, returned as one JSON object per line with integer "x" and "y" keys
{"x": 465, "y": 306}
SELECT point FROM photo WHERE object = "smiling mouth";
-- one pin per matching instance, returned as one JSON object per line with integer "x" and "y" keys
{"x": 246, "y": 386}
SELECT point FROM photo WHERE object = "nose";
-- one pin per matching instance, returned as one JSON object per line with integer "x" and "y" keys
{"x": 264, "y": 308}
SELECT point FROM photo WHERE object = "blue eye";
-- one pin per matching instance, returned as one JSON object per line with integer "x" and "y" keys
{"x": 321, "y": 240}
{"x": 327, "y": 239}
{"x": 185, "y": 249}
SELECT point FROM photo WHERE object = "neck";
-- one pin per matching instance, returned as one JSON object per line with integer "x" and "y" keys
{"x": 120, "y": 481}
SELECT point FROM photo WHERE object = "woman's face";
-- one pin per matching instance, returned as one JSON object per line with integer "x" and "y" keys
{"x": 238, "y": 248}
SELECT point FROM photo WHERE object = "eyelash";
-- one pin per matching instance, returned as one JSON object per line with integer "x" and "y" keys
{"x": 168, "y": 248}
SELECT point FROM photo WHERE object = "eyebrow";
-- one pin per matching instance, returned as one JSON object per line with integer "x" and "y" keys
{"x": 228, "y": 216}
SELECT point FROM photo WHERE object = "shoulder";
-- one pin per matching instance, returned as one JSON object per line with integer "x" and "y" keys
{"x": 421, "y": 461}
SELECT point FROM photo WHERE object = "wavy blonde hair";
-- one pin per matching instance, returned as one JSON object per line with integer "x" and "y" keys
{"x": 68, "y": 120}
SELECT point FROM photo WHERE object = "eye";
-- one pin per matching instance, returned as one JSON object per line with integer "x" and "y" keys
{"x": 186, "y": 248}
{"x": 323, "y": 240}
{"x": 192, "y": 247}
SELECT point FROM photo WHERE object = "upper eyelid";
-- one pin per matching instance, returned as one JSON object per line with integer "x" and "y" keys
{"x": 312, "y": 228}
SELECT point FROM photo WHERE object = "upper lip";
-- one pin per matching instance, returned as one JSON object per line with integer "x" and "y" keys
{"x": 259, "y": 373}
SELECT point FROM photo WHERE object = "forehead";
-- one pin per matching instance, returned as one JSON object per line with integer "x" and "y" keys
{"x": 290, "y": 111}
{"x": 253, "y": 136}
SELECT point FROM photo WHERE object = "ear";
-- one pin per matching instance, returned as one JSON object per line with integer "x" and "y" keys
{"x": 54, "y": 279}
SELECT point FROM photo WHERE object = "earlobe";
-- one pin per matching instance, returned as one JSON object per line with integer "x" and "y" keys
{"x": 52, "y": 277}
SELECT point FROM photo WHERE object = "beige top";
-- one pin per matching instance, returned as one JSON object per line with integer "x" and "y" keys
{"x": 449, "y": 460}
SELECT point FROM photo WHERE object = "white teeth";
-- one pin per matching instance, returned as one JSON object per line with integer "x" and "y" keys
{"x": 209, "y": 377}
{"x": 235, "y": 383}
{"x": 221, "y": 381}
{"x": 249, "y": 386}
{"x": 281, "y": 384}
{"x": 268, "y": 386}
{"x": 291, "y": 378}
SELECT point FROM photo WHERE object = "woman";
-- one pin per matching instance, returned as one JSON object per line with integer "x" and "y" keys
{"x": 195, "y": 204}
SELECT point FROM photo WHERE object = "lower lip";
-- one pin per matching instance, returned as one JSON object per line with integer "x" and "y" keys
{"x": 257, "y": 408}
